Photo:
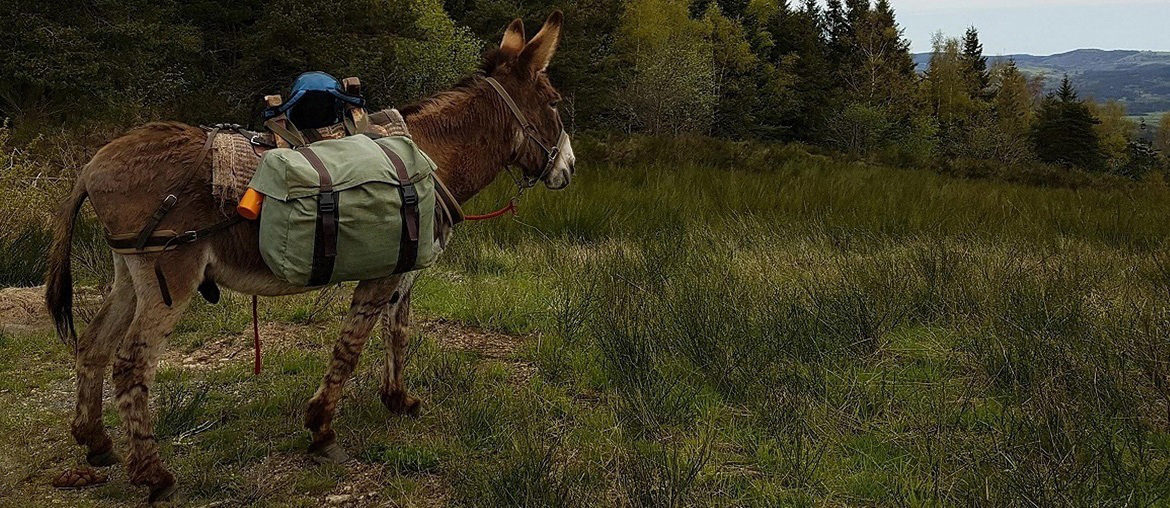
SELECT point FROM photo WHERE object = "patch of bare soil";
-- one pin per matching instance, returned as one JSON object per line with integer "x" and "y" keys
{"x": 362, "y": 485}
{"x": 23, "y": 309}
{"x": 274, "y": 336}
{"x": 488, "y": 344}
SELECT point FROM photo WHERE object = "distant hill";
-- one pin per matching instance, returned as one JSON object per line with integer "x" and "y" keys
{"x": 1140, "y": 79}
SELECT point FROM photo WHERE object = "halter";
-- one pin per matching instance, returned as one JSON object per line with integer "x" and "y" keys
{"x": 551, "y": 153}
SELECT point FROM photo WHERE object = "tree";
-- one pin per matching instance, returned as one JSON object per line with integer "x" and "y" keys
{"x": 1064, "y": 132}
{"x": 881, "y": 72}
{"x": 795, "y": 80}
{"x": 947, "y": 88}
{"x": 109, "y": 58}
{"x": 1162, "y": 138}
{"x": 1115, "y": 132}
{"x": 1013, "y": 98}
{"x": 669, "y": 85}
{"x": 855, "y": 14}
{"x": 977, "y": 76}
{"x": 887, "y": 66}
{"x": 1012, "y": 103}
{"x": 734, "y": 75}
{"x": 836, "y": 28}
{"x": 401, "y": 49}
{"x": 586, "y": 69}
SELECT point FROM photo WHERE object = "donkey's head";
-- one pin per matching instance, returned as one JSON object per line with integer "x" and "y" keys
{"x": 542, "y": 151}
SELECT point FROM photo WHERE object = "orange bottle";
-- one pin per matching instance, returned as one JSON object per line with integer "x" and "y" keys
{"x": 249, "y": 207}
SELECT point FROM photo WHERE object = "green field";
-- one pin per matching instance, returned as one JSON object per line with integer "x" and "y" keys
{"x": 1151, "y": 119}
{"x": 750, "y": 326}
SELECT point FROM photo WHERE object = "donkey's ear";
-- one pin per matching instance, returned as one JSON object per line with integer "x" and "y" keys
{"x": 540, "y": 49}
{"x": 513, "y": 38}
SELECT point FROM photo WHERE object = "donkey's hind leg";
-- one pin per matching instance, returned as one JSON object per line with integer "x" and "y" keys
{"x": 95, "y": 347}
{"x": 369, "y": 298}
{"x": 395, "y": 333}
{"x": 137, "y": 359}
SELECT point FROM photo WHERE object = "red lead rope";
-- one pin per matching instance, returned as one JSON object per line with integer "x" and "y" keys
{"x": 510, "y": 207}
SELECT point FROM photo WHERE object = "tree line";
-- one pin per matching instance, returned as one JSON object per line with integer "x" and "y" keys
{"x": 837, "y": 73}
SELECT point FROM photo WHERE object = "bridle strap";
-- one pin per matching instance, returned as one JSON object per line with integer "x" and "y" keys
{"x": 551, "y": 153}
{"x": 511, "y": 104}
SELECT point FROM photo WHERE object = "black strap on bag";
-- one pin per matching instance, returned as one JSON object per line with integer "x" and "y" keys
{"x": 408, "y": 246}
{"x": 325, "y": 237}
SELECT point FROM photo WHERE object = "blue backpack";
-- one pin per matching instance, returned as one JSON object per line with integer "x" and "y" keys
{"x": 317, "y": 100}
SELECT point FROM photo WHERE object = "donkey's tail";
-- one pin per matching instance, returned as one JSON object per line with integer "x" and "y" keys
{"x": 59, "y": 280}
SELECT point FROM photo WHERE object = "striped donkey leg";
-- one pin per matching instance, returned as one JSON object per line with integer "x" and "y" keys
{"x": 369, "y": 298}
{"x": 137, "y": 360}
{"x": 395, "y": 330}
{"x": 95, "y": 348}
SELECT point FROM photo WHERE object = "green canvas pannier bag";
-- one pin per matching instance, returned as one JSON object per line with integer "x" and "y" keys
{"x": 352, "y": 208}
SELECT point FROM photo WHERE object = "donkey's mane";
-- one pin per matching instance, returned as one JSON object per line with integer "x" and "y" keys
{"x": 465, "y": 87}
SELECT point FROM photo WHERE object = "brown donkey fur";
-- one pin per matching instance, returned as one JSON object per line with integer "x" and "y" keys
{"x": 468, "y": 131}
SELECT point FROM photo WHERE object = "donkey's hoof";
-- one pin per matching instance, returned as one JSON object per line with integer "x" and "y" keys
{"x": 163, "y": 493}
{"x": 102, "y": 459}
{"x": 331, "y": 453}
{"x": 402, "y": 404}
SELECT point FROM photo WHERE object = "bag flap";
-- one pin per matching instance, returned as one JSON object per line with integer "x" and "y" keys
{"x": 285, "y": 174}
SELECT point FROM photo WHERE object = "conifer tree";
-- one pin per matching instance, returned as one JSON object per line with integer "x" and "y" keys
{"x": 836, "y": 31}
{"x": 978, "y": 77}
{"x": 855, "y": 14}
{"x": 835, "y": 24}
{"x": 1064, "y": 131}
{"x": 815, "y": 85}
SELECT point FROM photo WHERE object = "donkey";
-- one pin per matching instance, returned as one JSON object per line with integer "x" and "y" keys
{"x": 471, "y": 132}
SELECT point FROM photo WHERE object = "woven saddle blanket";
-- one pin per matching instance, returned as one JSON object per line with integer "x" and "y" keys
{"x": 235, "y": 156}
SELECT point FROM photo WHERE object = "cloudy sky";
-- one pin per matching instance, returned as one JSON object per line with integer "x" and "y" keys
{"x": 1041, "y": 26}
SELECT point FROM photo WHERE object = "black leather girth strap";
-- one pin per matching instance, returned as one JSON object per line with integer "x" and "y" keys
{"x": 152, "y": 223}
{"x": 408, "y": 248}
{"x": 325, "y": 238}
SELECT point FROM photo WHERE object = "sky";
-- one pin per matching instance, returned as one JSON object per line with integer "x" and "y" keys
{"x": 1040, "y": 27}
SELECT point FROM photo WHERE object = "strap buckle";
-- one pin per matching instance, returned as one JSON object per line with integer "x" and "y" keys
{"x": 409, "y": 195}
{"x": 327, "y": 202}
{"x": 187, "y": 237}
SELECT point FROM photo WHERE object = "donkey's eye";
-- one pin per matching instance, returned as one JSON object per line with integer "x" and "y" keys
{"x": 553, "y": 104}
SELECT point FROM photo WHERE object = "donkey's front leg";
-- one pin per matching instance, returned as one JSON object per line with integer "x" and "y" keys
{"x": 395, "y": 329}
{"x": 369, "y": 298}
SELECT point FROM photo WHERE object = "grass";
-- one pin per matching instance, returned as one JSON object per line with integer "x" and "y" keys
{"x": 743, "y": 326}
